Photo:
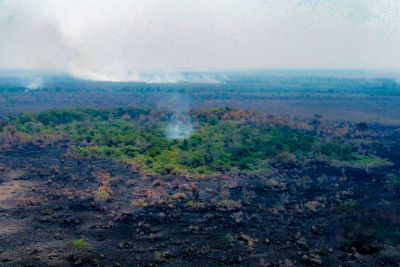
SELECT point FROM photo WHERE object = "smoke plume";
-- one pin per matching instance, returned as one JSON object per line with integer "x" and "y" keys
{"x": 180, "y": 125}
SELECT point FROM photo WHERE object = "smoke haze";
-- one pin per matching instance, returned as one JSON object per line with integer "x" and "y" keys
{"x": 124, "y": 40}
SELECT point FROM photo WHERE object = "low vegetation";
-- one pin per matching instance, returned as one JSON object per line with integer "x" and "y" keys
{"x": 80, "y": 244}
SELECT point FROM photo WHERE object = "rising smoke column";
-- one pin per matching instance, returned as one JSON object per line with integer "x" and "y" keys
{"x": 180, "y": 125}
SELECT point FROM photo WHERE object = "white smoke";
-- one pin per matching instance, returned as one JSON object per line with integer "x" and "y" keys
{"x": 35, "y": 84}
{"x": 149, "y": 77}
{"x": 180, "y": 126}
{"x": 179, "y": 129}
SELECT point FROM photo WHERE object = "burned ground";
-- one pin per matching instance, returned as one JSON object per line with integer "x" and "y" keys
{"x": 58, "y": 209}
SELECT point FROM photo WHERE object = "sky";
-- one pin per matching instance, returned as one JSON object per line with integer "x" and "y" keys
{"x": 120, "y": 39}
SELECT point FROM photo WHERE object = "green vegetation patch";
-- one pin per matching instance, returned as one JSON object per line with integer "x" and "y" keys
{"x": 80, "y": 244}
{"x": 223, "y": 140}
{"x": 347, "y": 154}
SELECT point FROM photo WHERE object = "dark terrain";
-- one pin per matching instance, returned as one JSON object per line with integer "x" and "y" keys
{"x": 298, "y": 215}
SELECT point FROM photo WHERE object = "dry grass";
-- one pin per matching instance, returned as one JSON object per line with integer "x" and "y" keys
{"x": 104, "y": 191}
{"x": 246, "y": 238}
{"x": 228, "y": 204}
{"x": 179, "y": 196}
{"x": 195, "y": 205}
{"x": 139, "y": 203}
{"x": 275, "y": 183}
{"x": 314, "y": 205}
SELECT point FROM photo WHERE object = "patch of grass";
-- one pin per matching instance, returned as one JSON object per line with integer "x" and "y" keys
{"x": 80, "y": 244}
{"x": 362, "y": 161}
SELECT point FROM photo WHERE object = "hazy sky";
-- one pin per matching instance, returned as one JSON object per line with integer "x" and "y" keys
{"x": 116, "y": 39}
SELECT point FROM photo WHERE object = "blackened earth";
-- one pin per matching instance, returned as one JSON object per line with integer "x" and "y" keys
{"x": 297, "y": 215}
